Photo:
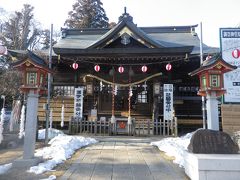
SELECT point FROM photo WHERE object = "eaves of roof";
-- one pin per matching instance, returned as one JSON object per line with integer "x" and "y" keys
{"x": 124, "y": 51}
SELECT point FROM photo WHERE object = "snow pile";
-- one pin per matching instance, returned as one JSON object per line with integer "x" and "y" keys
{"x": 4, "y": 168}
{"x": 175, "y": 147}
{"x": 62, "y": 147}
{"x": 51, "y": 133}
{"x": 236, "y": 137}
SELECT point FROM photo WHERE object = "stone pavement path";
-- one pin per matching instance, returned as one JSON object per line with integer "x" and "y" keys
{"x": 123, "y": 160}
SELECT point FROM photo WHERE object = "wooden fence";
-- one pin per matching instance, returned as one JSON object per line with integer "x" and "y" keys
{"x": 166, "y": 128}
{"x": 92, "y": 127}
{"x": 106, "y": 128}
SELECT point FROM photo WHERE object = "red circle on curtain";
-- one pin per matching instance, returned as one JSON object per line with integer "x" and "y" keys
{"x": 75, "y": 66}
{"x": 97, "y": 68}
{"x": 144, "y": 69}
{"x": 121, "y": 69}
{"x": 236, "y": 53}
{"x": 168, "y": 67}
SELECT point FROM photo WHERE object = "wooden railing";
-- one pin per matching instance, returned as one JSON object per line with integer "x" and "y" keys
{"x": 93, "y": 127}
{"x": 145, "y": 128}
{"x": 166, "y": 128}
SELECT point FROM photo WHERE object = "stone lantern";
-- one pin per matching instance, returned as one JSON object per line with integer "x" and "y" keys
{"x": 34, "y": 74}
{"x": 34, "y": 70}
{"x": 211, "y": 85}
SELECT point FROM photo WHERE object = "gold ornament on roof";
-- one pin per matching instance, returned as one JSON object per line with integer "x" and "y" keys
{"x": 218, "y": 66}
{"x": 28, "y": 63}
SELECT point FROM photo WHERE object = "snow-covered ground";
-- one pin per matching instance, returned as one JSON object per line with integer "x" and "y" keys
{"x": 175, "y": 147}
{"x": 61, "y": 148}
{"x": 51, "y": 133}
{"x": 4, "y": 168}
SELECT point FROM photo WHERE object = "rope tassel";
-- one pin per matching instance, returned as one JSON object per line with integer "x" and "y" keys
{"x": 120, "y": 84}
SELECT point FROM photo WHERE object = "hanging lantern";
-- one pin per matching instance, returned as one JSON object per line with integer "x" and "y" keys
{"x": 75, "y": 65}
{"x": 236, "y": 53}
{"x": 121, "y": 69}
{"x": 144, "y": 68}
{"x": 97, "y": 68}
{"x": 168, "y": 67}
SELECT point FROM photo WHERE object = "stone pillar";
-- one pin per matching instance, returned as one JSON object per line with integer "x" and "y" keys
{"x": 30, "y": 134}
{"x": 212, "y": 111}
{"x": 31, "y": 125}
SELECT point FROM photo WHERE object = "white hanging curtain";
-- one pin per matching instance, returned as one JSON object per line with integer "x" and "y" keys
{"x": 15, "y": 114}
{"x": 22, "y": 122}
{"x": 62, "y": 116}
{"x": 1, "y": 124}
{"x": 51, "y": 118}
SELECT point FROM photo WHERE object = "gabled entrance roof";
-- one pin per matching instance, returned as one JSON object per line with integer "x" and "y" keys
{"x": 125, "y": 27}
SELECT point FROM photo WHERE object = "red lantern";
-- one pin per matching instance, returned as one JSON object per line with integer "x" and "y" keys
{"x": 168, "y": 67}
{"x": 144, "y": 68}
{"x": 97, "y": 68}
{"x": 236, "y": 53}
{"x": 75, "y": 66}
{"x": 120, "y": 69}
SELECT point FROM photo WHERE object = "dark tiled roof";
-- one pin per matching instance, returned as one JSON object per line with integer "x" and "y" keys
{"x": 165, "y": 36}
{"x": 211, "y": 62}
{"x": 24, "y": 55}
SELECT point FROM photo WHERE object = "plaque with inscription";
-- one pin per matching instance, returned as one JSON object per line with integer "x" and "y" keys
{"x": 206, "y": 141}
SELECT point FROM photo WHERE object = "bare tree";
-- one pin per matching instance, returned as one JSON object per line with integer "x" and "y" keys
{"x": 20, "y": 30}
{"x": 10, "y": 81}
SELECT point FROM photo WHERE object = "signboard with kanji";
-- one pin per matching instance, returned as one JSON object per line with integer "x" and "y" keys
{"x": 78, "y": 102}
{"x": 230, "y": 48}
{"x": 168, "y": 101}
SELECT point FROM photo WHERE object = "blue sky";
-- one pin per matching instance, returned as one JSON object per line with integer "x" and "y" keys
{"x": 213, "y": 14}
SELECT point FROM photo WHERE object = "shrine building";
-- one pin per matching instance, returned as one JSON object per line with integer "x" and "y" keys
{"x": 122, "y": 71}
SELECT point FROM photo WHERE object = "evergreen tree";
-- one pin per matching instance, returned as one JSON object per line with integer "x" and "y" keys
{"x": 87, "y": 14}
{"x": 45, "y": 38}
